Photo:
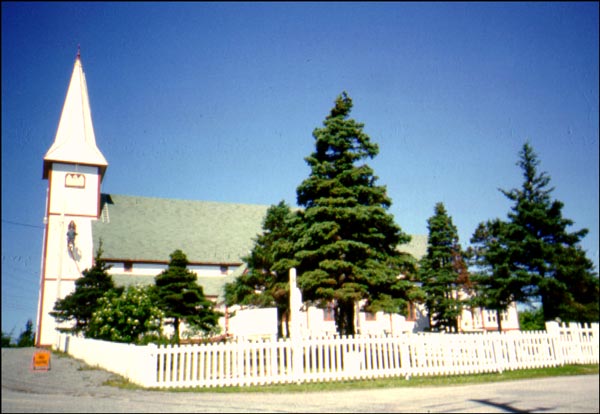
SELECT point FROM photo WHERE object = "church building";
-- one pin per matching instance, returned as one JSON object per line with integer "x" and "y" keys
{"x": 139, "y": 233}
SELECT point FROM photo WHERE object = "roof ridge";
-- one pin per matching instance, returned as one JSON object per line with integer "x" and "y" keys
{"x": 186, "y": 200}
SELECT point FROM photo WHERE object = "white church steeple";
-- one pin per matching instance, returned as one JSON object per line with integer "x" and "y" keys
{"x": 75, "y": 141}
{"x": 74, "y": 168}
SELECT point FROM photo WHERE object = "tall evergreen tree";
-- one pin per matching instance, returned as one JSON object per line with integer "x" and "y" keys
{"x": 6, "y": 340}
{"x": 442, "y": 272}
{"x": 346, "y": 246}
{"x": 26, "y": 338}
{"x": 544, "y": 252}
{"x": 182, "y": 299}
{"x": 79, "y": 305}
{"x": 496, "y": 283}
{"x": 579, "y": 301}
{"x": 265, "y": 284}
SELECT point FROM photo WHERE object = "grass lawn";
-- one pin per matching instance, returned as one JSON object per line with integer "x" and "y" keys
{"x": 432, "y": 381}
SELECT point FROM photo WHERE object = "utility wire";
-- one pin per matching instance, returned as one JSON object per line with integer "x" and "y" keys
{"x": 22, "y": 224}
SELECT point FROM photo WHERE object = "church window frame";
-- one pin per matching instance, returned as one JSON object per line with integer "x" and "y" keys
{"x": 75, "y": 180}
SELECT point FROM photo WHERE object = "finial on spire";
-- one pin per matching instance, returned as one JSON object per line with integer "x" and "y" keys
{"x": 78, "y": 51}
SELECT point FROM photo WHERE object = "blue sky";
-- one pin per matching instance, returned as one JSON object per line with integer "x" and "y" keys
{"x": 218, "y": 101}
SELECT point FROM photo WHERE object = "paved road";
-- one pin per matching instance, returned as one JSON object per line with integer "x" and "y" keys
{"x": 71, "y": 386}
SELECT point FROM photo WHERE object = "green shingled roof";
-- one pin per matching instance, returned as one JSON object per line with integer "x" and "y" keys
{"x": 150, "y": 229}
{"x": 147, "y": 229}
{"x": 211, "y": 286}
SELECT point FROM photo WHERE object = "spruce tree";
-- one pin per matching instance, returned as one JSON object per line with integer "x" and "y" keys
{"x": 496, "y": 282}
{"x": 79, "y": 305}
{"x": 580, "y": 298}
{"x": 543, "y": 251}
{"x": 26, "y": 338}
{"x": 182, "y": 299}
{"x": 347, "y": 240}
{"x": 442, "y": 272}
{"x": 6, "y": 340}
{"x": 265, "y": 284}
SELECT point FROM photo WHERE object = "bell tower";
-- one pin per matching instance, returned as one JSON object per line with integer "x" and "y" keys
{"x": 74, "y": 168}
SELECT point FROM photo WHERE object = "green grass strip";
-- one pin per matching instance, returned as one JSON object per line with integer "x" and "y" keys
{"x": 395, "y": 382}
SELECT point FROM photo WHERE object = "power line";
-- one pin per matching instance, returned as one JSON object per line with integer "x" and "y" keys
{"x": 22, "y": 224}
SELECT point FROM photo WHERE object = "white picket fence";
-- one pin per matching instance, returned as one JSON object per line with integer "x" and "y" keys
{"x": 338, "y": 358}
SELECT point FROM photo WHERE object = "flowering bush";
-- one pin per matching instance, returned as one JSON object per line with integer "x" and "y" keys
{"x": 127, "y": 317}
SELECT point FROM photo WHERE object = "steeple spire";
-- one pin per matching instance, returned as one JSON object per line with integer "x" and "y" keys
{"x": 75, "y": 142}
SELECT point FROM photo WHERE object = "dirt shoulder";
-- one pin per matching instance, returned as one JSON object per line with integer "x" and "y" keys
{"x": 66, "y": 375}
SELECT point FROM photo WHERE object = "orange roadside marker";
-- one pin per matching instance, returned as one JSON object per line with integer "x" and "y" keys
{"x": 40, "y": 361}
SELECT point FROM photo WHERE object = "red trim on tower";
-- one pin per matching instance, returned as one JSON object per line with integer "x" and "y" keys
{"x": 74, "y": 215}
{"x": 99, "y": 198}
{"x": 62, "y": 279}
{"x": 43, "y": 275}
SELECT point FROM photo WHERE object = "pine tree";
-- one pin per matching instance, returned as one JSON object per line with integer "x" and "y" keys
{"x": 265, "y": 284}
{"x": 79, "y": 305}
{"x": 346, "y": 245}
{"x": 579, "y": 300}
{"x": 182, "y": 299}
{"x": 442, "y": 272}
{"x": 495, "y": 280}
{"x": 26, "y": 338}
{"x": 544, "y": 252}
{"x": 6, "y": 340}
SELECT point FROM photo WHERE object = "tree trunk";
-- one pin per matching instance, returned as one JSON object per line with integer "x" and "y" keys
{"x": 176, "y": 330}
{"x": 283, "y": 318}
{"x": 350, "y": 320}
{"x": 287, "y": 324}
{"x": 344, "y": 318}
{"x": 280, "y": 315}
{"x": 499, "y": 318}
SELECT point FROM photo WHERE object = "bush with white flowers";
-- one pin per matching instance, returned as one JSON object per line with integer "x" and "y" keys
{"x": 127, "y": 317}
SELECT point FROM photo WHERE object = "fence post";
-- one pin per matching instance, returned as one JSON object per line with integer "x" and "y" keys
{"x": 553, "y": 331}
{"x": 297, "y": 345}
{"x": 595, "y": 343}
{"x": 297, "y": 359}
{"x": 498, "y": 357}
{"x": 576, "y": 333}
{"x": 148, "y": 367}
{"x": 405, "y": 343}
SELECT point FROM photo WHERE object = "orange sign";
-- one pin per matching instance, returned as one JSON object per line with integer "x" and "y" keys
{"x": 41, "y": 361}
